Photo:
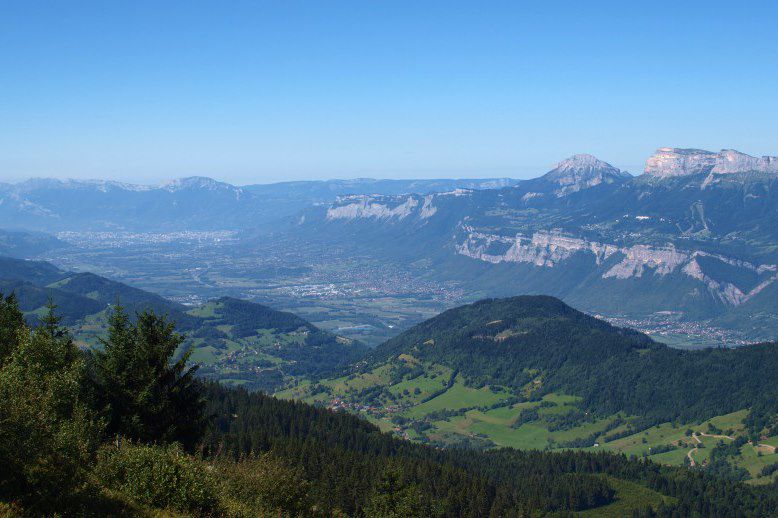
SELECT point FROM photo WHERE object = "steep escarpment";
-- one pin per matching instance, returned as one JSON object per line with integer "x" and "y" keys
{"x": 551, "y": 249}
{"x": 667, "y": 162}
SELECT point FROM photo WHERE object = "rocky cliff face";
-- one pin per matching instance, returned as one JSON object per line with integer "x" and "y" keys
{"x": 414, "y": 207}
{"x": 551, "y": 249}
{"x": 361, "y": 207}
{"x": 668, "y": 162}
{"x": 731, "y": 161}
{"x": 581, "y": 172}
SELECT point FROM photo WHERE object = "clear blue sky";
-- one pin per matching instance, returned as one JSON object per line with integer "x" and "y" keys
{"x": 265, "y": 91}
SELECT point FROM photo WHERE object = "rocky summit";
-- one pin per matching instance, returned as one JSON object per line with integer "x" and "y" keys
{"x": 669, "y": 162}
{"x": 582, "y": 171}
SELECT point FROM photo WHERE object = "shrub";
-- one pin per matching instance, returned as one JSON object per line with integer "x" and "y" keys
{"x": 159, "y": 476}
{"x": 264, "y": 485}
{"x": 47, "y": 434}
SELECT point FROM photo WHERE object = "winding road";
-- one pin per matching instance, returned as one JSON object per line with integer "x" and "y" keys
{"x": 692, "y": 463}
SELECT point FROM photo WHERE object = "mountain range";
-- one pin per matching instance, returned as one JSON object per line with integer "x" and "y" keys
{"x": 194, "y": 203}
{"x": 693, "y": 238}
{"x": 691, "y": 241}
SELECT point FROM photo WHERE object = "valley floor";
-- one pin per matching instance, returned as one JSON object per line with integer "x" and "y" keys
{"x": 362, "y": 298}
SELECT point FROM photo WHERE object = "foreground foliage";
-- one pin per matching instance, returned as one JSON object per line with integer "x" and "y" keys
{"x": 48, "y": 433}
{"x": 73, "y": 446}
{"x": 146, "y": 396}
{"x": 158, "y": 476}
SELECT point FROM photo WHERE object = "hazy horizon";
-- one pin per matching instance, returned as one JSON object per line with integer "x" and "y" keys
{"x": 519, "y": 173}
{"x": 265, "y": 92}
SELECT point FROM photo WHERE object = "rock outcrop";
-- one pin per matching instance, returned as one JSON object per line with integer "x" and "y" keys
{"x": 362, "y": 207}
{"x": 550, "y": 249}
{"x": 731, "y": 161}
{"x": 668, "y": 162}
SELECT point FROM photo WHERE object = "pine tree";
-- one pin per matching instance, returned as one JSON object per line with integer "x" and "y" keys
{"x": 11, "y": 325}
{"x": 114, "y": 384}
{"x": 51, "y": 327}
{"x": 150, "y": 396}
{"x": 50, "y": 322}
{"x": 47, "y": 432}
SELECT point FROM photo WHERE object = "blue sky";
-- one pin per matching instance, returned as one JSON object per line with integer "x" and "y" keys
{"x": 266, "y": 91}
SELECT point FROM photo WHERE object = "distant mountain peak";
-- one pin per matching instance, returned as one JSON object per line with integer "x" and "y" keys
{"x": 582, "y": 161}
{"x": 197, "y": 182}
{"x": 669, "y": 162}
{"x": 582, "y": 171}
{"x": 56, "y": 184}
{"x": 190, "y": 182}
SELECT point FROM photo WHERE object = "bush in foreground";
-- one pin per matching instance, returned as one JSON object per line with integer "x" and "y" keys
{"x": 48, "y": 434}
{"x": 159, "y": 476}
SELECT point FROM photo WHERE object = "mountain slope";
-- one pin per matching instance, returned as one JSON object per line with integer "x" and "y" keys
{"x": 254, "y": 345}
{"x": 524, "y": 479}
{"x": 526, "y": 340}
{"x": 36, "y": 272}
{"x": 235, "y": 341}
{"x": 26, "y": 244}
{"x": 532, "y": 373}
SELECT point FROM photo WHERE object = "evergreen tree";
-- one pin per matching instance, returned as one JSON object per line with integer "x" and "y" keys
{"x": 11, "y": 325}
{"x": 114, "y": 383}
{"x": 48, "y": 436}
{"x": 50, "y": 327}
{"x": 50, "y": 322}
{"x": 393, "y": 497}
{"x": 149, "y": 395}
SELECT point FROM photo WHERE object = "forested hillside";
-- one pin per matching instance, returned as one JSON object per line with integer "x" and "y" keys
{"x": 236, "y": 341}
{"x": 533, "y": 373}
{"x": 130, "y": 431}
{"x": 540, "y": 341}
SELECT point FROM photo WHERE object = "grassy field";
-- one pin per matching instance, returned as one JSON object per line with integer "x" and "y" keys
{"x": 457, "y": 397}
{"x": 207, "y": 310}
{"x": 415, "y": 403}
{"x": 772, "y": 441}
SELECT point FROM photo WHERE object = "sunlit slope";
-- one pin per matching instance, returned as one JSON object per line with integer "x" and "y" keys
{"x": 533, "y": 373}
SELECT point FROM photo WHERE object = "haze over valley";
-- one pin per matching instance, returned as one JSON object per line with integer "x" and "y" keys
{"x": 684, "y": 250}
{"x": 388, "y": 260}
